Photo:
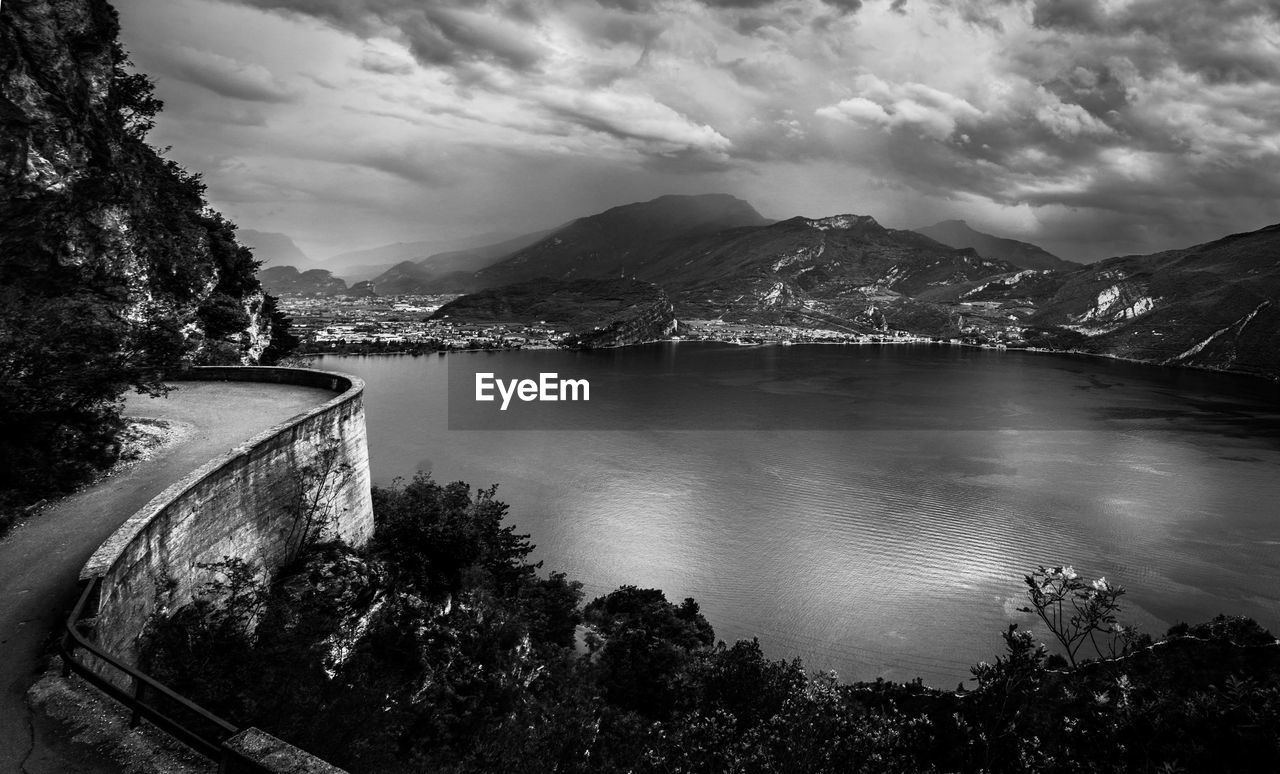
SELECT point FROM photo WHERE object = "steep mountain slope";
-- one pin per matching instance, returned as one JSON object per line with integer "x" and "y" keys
{"x": 449, "y": 271}
{"x": 476, "y": 258}
{"x": 717, "y": 257}
{"x": 1214, "y": 305}
{"x": 616, "y": 242}
{"x": 368, "y": 263}
{"x": 113, "y": 270}
{"x": 957, "y": 233}
{"x": 839, "y": 264}
{"x": 89, "y": 207}
{"x": 600, "y": 312}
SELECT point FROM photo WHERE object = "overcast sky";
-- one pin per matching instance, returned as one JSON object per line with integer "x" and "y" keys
{"x": 1092, "y": 127}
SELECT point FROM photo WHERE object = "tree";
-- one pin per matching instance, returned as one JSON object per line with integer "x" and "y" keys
{"x": 643, "y": 641}
{"x": 105, "y": 274}
{"x": 444, "y": 538}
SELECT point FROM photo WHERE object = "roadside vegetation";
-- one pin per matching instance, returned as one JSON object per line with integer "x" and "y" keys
{"x": 439, "y": 647}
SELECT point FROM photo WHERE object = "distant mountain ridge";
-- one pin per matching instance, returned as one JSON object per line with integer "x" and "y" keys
{"x": 369, "y": 263}
{"x": 275, "y": 249}
{"x": 444, "y": 272}
{"x": 716, "y": 255}
{"x": 957, "y": 233}
{"x": 1215, "y": 305}
{"x": 287, "y": 279}
{"x": 620, "y": 240}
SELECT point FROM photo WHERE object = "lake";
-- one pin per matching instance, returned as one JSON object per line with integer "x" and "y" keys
{"x": 871, "y": 509}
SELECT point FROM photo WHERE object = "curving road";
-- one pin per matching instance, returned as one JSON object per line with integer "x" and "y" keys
{"x": 40, "y": 561}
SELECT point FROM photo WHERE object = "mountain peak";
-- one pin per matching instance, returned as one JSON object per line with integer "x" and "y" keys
{"x": 690, "y": 208}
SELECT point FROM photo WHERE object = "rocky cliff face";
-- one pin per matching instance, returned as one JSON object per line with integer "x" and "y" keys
{"x": 113, "y": 269}
{"x": 86, "y": 206}
{"x": 651, "y": 321}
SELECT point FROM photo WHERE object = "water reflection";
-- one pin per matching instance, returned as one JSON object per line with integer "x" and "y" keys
{"x": 879, "y": 517}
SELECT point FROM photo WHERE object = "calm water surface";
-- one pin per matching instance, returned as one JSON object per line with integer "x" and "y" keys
{"x": 870, "y": 509}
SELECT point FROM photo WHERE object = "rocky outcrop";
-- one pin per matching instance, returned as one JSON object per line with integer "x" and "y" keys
{"x": 640, "y": 323}
{"x": 597, "y": 312}
{"x": 113, "y": 269}
{"x": 88, "y": 208}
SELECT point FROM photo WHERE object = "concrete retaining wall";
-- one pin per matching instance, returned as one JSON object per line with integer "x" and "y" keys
{"x": 245, "y": 503}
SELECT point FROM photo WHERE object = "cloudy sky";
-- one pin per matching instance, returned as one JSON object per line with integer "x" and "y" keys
{"x": 1092, "y": 127}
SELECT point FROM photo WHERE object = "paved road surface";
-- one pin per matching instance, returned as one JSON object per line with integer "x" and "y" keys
{"x": 40, "y": 561}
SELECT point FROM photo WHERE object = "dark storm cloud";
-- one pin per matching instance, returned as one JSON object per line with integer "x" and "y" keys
{"x": 1219, "y": 41}
{"x": 635, "y": 29}
{"x": 384, "y": 64}
{"x": 687, "y": 162}
{"x": 1073, "y": 15}
{"x": 1139, "y": 117}
{"x": 446, "y": 36}
{"x": 636, "y": 118}
{"x": 736, "y": 3}
{"x": 631, "y": 6}
{"x": 437, "y": 33}
{"x": 407, "y": 163}
{"x": 223, "y": 75}
{"x": 844, "y": 6}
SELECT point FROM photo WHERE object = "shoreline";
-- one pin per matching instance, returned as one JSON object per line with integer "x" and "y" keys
{"x": 1270, "y": 379}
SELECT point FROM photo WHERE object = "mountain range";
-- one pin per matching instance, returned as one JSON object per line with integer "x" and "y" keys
{"x": 402, "y": 267}
{"x": 1211, "y": 305}
{"x": 275, "y": 249}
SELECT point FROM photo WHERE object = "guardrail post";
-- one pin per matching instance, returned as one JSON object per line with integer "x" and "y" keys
{"x": 139, "y": 689}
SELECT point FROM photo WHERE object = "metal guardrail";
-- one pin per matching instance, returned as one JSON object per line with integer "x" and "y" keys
{"x": 202, "y": 731}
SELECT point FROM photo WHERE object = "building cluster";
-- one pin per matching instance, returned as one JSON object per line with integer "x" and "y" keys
{"x": 401, "y": 323}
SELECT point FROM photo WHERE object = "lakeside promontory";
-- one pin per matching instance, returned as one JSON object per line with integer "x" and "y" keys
{"x": 595, "y": 312}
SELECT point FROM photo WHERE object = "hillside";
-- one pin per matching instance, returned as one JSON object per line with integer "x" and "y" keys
{"x": 279, "y": 280}
{"x": 620, "y": 241}
{"x": 805, "y": 268}
{"x": 113, "y": 270}
{"x": 449, "y": 271}
{"x": 1024, "y": 255}
{"x": 1212, "y": 305}
{"x": 601, "y": 312}
{"x": 716, "y": 257}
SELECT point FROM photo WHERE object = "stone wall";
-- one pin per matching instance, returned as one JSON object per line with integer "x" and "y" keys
{"x": 244, "y": 503}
